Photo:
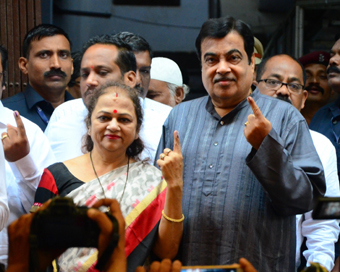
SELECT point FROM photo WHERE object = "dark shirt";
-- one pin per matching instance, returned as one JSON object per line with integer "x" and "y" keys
{"x": 28, "y": 104}
{"x": 327, "y": 122}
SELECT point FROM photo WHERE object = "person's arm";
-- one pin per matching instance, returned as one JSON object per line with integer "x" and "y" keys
{"x": 28, "y": 153}
{"x": 322, "y": 234}
{"x": 171, "y": 228}
{"x": 289, "y": 169}
{"x": 19, "y": 248}
{"x": 4, "y": 210}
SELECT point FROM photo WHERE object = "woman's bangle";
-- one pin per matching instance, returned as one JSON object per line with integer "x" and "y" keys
{"x": 171, "y": 219}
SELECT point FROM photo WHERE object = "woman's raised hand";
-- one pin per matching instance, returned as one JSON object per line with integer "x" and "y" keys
{"x": 171, "y": 163}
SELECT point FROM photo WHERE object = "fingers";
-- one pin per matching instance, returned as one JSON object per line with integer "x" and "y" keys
{"x": 164, "y": 266}
{"x": 176, "y": 266}
{"x": 20, "y": 124}
{"x": 177, "y": 143}
{"x": 246, "y": 265}
{"x": 102, "y": 220}
{"x": 254, "y": 107}
{"x": 140, "y": 269}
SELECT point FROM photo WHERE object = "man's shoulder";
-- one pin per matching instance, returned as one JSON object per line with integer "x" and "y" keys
{"x": 321, "y": 140}
{"x": 192, "y": 105}
{"x": 15, "y": 100}
{"x": 73, "y": 107}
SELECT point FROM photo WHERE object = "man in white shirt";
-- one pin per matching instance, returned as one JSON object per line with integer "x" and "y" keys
{"x": 108, "y": 58}
{"x": 283, "y": 77}
{"x": 26, "y": 153}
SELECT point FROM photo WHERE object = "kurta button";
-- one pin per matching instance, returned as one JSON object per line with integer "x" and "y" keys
{"x": 210, "y": 166}
{"x": 215, "y": 143}
{"x": 335, "y": 122}
{"x": 222, "y": 123}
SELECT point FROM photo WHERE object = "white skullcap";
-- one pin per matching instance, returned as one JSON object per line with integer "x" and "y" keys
{"x": 166, "y": 70}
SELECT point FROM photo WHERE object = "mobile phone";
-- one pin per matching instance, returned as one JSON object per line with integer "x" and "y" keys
{"x": 327, "y": 208}
{"x": 213, "y": 268}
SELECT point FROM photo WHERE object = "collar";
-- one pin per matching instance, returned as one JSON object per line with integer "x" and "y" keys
{"x": 32, "y": 97}
{"x": 211, "y": 109}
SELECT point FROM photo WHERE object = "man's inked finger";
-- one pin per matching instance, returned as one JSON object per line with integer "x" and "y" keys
{"x": 256, "y": 110}
{"x": 177, "y": 143}
{"x": 20, "y": 124}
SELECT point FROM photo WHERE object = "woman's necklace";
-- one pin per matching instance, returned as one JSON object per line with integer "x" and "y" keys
{"x": 127, "y": 176}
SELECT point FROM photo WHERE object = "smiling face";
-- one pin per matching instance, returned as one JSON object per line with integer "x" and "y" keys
{"x": 49, "y": 66}
{"x": 226, "y": 72}
{"x": 113, "y": 122}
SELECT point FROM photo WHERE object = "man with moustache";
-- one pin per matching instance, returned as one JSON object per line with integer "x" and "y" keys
{"x": 47, "y": 62}
{"x": 249, "y": 162}
{"x": 319, "y": 91}
{"x": 283, "y": 77}
{"x": 107, "y": 58}
{"x": 327, "y": 119}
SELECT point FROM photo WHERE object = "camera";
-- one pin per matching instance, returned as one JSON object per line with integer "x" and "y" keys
{"x": 63, "y": 224}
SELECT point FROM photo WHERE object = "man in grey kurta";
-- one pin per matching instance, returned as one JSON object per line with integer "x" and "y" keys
{"x": 242, "y": 184}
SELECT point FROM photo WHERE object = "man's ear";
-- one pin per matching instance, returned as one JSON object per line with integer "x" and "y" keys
{"x": 252, "y": 63}
{"x": 179, "y": 95}
{"x": 23, "y": 65}
{"x": 304, "y": 98}
{"x": 130, "y": 79}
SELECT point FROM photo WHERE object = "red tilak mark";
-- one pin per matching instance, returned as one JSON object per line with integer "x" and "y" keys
{"x": 114, "y": 111}
{"x": 91, "y": 67}
{"x": 116, "y": 94}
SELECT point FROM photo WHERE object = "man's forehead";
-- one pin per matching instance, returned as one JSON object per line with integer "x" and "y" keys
{"x": 315, "y": 67}
{"x": 100, "y": 54}
{"x": 283, "y": 66}
{"x": 142, "y": 58}
{"x": 232, "y": 40}
{"x": 336, "y": 46}
{"x": 46, "y": 42}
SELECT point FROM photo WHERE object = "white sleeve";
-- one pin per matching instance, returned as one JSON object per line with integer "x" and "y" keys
{"x": 4, "y": 210}
{"x": 28, "y": 170}
{"x": 323, "y": 234}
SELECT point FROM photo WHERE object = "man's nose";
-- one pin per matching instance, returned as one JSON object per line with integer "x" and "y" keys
{"x": 55, "y": 61}
{"x": 335, "y": 60}
{"x": 91, "y": 80}
{"x": 223, "y": 67}
{"x": 283, "y": 90}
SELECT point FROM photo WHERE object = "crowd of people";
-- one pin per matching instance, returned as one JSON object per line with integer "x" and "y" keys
{"x": 231, "y": 177}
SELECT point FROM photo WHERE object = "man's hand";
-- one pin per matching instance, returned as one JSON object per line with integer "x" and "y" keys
{"x": 246, "y": 265}
{"x": 164, "y": 266}
{"x": 257, "y": 127}
{"x": 14, "y": 141}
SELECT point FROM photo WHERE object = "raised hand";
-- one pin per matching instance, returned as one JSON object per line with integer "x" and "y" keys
{"x": 14, "y": 141}
{"x": 257, "y": 127}
{"x": 171, "y": 163}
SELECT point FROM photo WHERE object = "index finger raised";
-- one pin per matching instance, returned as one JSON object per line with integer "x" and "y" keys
{"x": 256, "y": 110}
{"x": 20, "y": 124}
{"x": 177, "y": 143}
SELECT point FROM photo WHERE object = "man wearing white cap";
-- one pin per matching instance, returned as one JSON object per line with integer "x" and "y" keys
{"x": 166, "y": 84}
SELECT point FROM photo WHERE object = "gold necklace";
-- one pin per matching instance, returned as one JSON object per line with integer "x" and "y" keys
{"x": 127, "y": 176}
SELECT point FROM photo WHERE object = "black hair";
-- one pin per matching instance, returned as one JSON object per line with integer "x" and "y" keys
{"x": 126, "y": 60}
{"x": 39, "y": 32}
{"x": 4, "y": 60}
{"x": 137, "y": 145}
{"x": 262, "y": 67}
{"x": 218, "y": 28}
{"x": 136, "y": 42}
{"x": 76, "y": 56}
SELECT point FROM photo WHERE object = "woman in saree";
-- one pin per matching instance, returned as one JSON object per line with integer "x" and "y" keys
{"x": 150, "y": 199}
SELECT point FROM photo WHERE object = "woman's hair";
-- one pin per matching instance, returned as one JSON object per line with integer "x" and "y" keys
{"x": 137, "y": 146}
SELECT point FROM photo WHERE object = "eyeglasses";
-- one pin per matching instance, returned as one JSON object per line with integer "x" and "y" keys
{"x": 276, "y": 84}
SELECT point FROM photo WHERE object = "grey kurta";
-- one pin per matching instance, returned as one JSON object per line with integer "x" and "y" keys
{"x": 239, "y": 202}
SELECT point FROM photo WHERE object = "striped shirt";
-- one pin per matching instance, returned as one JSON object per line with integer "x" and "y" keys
{"x": 239, "y": 202}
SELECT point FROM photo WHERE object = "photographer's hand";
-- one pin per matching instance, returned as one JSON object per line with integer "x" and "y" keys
{"x": 19, "y": 245}
{"x": 117, "y": 261}
{"x": 164, "y": 266}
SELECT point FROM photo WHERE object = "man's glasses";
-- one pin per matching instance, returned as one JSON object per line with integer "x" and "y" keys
{"x": 276, "y": 84}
